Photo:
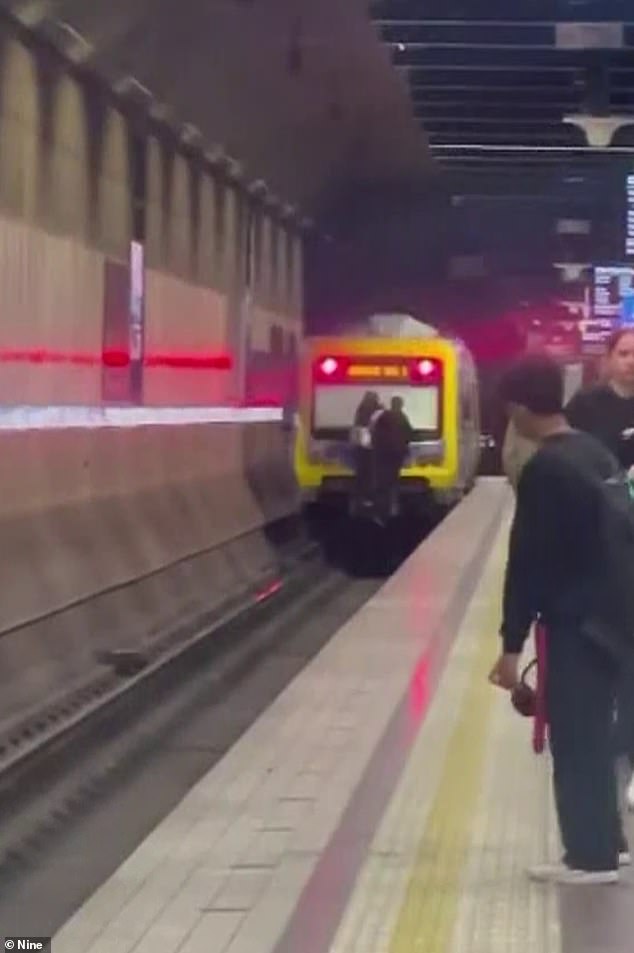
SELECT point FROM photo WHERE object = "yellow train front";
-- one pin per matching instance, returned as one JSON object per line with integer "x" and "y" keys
{"x": 437, "y": 380}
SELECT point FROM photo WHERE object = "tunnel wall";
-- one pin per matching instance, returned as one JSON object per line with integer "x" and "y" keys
{"x": 83, "y": 510}
{"x": 71, "y": 202}
{"x": 111, "y": 534}
{"x": 129, "y": 538}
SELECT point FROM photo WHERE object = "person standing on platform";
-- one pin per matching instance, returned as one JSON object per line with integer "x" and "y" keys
{"x": 607, "y": 412}
{"x": 551, "y": 573}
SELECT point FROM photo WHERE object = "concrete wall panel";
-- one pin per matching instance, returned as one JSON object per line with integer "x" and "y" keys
{"x": 51, "y": 288}
{"x": 19, "y": 128}
{"x": 158, "y": 204}
{"x": 185, "y": 320}
{"x": 113, "y": 187}
{"x": 207, "y": 243}
{"x": 69, "y": 206}
{"x": 106, "y": 507}
{"x": 182, "y": 260}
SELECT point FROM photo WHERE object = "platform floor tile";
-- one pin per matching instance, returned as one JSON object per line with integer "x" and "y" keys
{"x": 446, "y": 871}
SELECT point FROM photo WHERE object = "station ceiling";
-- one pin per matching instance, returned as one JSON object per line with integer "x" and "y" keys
{"x": 491, "y": 82}
{"x": 300, "y": 91}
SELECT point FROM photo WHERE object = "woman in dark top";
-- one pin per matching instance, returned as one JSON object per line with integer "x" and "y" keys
{"x": 607, "y": 412}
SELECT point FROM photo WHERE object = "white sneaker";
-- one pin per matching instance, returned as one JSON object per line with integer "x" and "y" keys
{"x": 629, "y": 796}
{"x": 560, "y": 874}
{"x": 625, "y": 858}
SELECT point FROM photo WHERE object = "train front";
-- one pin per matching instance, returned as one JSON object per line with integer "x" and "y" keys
{"x": 336, "y": 374}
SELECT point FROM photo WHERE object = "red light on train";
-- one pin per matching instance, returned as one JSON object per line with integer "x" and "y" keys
{"x": 426, "y": 368}
{"x": 329, "y": 366}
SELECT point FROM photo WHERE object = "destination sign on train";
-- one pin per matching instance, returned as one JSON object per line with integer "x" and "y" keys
{"x": 391, "y": 371}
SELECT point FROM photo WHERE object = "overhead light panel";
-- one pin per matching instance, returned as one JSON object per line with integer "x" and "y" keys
{"x": 599, "y": 130}
{"x": 588, "y": 36}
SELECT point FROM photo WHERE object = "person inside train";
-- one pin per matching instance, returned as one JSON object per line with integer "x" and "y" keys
{"x": 607, "y": 412}
{"x": 362, "y": 453}
{"x": 391, "y": 436}
{"x": 553, "y": 572}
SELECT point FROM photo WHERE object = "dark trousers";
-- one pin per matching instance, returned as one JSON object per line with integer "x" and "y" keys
{"x": 363, "y": 487}
{"x": 388, "y": 471}
{"x": 581, "y": 691}
{"x": 625, "y": 715}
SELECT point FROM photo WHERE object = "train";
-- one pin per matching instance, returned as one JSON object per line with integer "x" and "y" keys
{"x": 392, "y": 355}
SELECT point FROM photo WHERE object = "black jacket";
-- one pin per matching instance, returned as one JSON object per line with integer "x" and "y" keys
{"x": 553, "y": 544}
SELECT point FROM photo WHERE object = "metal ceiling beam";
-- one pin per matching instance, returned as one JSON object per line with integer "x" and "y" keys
{"x": 475, "y": 89}
{"x": 501, "y": 138}
{"x": 592, "y": 11}
{"x": 561, "y": 150}
{"x": 529, "y": 122}
{"x": 505, "y": 95}
{"x": 488, "y": 110}
{"x": 485, "y": 24}
{"x": 424, "y": 69}
{"x": 528, "y": 116}
{"x": 520, "y": 84}
{"x": 404, "y": 49}
{"x": 510, "y": 57}
{"x": 475, "y": 189}
{"x": 542, "y": 165}
{"x": 490, "y": 88}
{"x": 548, "y": 124}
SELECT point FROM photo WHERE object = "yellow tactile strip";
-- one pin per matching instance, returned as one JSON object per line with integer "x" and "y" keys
{"x": 441, "y": 876}
{"x": 428, "y": 913}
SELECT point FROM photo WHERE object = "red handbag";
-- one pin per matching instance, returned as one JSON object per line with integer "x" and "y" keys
{"x": 531, "y": 702}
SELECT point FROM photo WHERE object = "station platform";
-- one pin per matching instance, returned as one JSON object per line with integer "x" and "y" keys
{"x": 388, "y": 801}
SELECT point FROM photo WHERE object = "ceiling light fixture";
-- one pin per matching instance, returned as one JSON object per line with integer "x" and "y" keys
{"x": 599, "y": 130}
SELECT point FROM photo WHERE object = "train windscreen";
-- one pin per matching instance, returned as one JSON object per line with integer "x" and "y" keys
{"x": 335, "y": 404}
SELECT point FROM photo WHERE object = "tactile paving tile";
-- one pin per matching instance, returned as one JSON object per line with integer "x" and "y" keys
{"x": 501, "y": 911}
{"x": 468, "y": 867}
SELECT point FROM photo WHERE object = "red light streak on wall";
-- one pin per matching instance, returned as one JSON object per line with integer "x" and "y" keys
{"x": 221, "y": 361}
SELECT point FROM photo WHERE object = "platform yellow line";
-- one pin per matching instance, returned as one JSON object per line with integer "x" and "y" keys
{"x": 425, "y": 923}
